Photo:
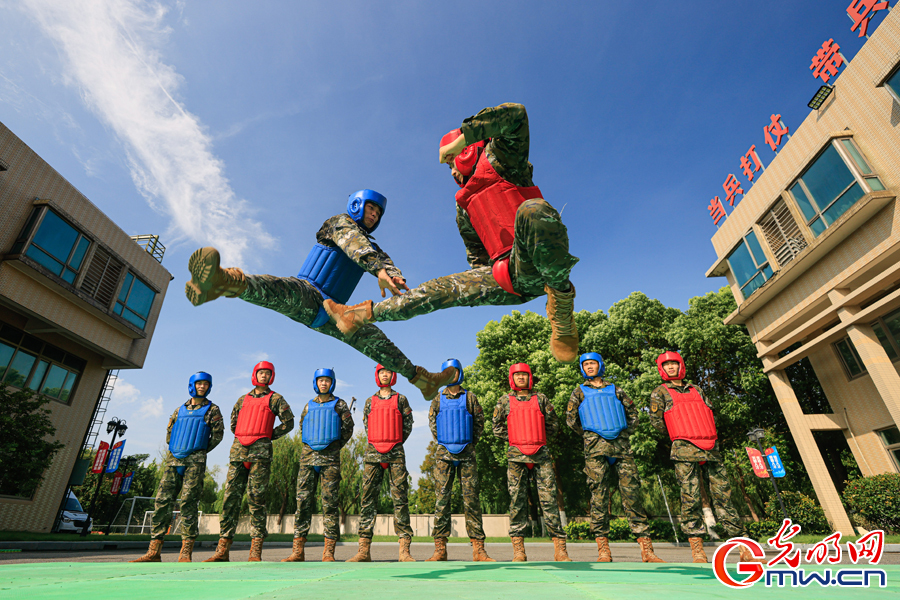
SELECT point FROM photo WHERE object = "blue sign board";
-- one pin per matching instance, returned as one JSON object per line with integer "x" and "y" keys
{"x": 114, "y": 455}
{"x": 775, "y": 463}
{"x": 126, "y": 483}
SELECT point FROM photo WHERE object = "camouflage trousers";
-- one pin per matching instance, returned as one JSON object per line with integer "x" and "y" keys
{"x": 540, "y": 255}
{"x": 690, "y": 476}
{"x": 300, "y": 301}
{"x": 599, "y": 475}
{"x": 190, "y": 486}
{"x": 519, "y": 474}
{"x": 307, "y": 478}
{"x": 235, "y": 484}
{"x": 373, "y": 474}
{"x": 444, "y": 472}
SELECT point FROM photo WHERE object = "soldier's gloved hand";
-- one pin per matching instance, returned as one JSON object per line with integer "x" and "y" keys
{"x": 394, "y": 284}
{"x": 453, "y": 149}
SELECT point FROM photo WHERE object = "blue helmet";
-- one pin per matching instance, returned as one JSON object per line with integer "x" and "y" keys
{"x": 452, "y": 362}
{"x": 324, "y": 373}
{"x": 591, "y": 356}
{"x": 357, "y": 203}
{"x": 201, "y": 376}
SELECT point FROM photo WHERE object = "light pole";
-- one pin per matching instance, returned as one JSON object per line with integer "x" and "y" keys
{"x": 117, "y": 427}
{"x": 756, "y": 435}
{"x": 126, "y": 463}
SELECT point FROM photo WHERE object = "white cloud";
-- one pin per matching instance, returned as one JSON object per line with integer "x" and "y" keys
{"x": 124, "y": 392}
{"x": 111, "y": 54}
{"x": 152, "y": 408}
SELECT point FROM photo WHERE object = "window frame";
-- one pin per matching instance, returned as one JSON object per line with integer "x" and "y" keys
{"x": 887, "y": 85}
{"x": 40, "y": 357}
{"x": 33, "y": 225}
{"x": 843, "y": 361}
{"x": 117, "y": 301}
{"x": 760, "y": 267}
{"x": 891, "y": 449}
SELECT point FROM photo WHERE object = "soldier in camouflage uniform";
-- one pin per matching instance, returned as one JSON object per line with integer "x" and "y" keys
{"x": 250, "y": 460}
{"x": 693, "y": 463}
{"x": 528, "y": 454}
{"x": 460, "y": 429}
{"x": 604, "y": 415}
{"x": 344, "y": 251}
{"x": 516, "y": 243}
{"x": 327, "y": 431}
{"x": 388, "y": 420}
{"x": 186, "y": 471}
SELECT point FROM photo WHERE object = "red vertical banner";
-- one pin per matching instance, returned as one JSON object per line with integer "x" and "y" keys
{"x": 100, "y": 458}
{"x": 116, "y": 482}
{"x": 757, "y": 462}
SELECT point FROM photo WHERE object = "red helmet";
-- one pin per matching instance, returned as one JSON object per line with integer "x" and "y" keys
{"x": 378, "y": 381}
{"x": 667, "y": 357}
{"x": 520, "y": 368}
{"x": 468, "y": 158}
{"x": 261, "y": 366}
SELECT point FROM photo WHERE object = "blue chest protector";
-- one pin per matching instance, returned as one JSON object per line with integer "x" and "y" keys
{"x": 331, "y": 272}
{"x": 454, "y": 424}
{"x": 190, "y": 432}
{"x": 321, "y": 425}
{"x": 602, "y": 412}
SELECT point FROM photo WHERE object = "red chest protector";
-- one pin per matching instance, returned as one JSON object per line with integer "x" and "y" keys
{"x": 526, "y": 426}
{"x": 691, "y": 419}
{"x": 255, "y": 420}
{"x": 491, "y": 203}
{"x": 385, "y": 423}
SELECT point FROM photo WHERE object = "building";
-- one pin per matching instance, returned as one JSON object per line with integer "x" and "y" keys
{"x": 811, "y": 255}
{"x": 78, "y": 298}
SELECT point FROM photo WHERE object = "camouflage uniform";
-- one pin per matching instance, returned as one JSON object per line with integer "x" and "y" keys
{"x": 297, "y": 299}
{"x": 259, "y": 455}
{"x": 373, "y": 475}
{"x": 189, "y": 482}
{"x": 692, "y": 465}
{"x": 328, "y": 462}
{"x": 445, "y": 469}
{"x": 518, "y": 471}
{"x": 597, "y": 467}
{"x": 540, "y": 253}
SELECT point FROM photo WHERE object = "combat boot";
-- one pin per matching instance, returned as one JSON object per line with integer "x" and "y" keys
{"x": 209, "y": 280}
{"x": 519, "y": 549}
{"x": 560, "y": 554}
{"x": 405, "y": 556}
{"x": 350, "y": 318}
{"x": 430, "y": 383}
{"x": 328, "y": 550}
{"x": 255, "y": 550}
{"x": 478, "y": 552}
{"x": 187, "y": 551}
{"x": 603, "y": 553}
{"x": 297, "y": 554}
{"x": 440, "y": 550}
{"x": 221, "y": 554}
{"x": 746, "y": 556}
{"x": 697, "y": 553}
{"x": 647, "y": 554}
{"x": 362, "y": 555}
{"x": 564, "y": 334}
{"x": 152, "y": 554}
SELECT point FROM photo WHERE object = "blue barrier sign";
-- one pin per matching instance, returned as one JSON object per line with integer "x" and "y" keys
{"x": 775, "y": 462}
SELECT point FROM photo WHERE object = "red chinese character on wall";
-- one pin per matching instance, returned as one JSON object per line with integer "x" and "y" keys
{"x": 732, "y": 187}
{"x": 780, "y": 542}
{"x": 869, "y": 547}
{"x": 862, "y": 11}
{"x": 716, "y": 210}
{"x": 776, "y": 128}
{"x": 820, "y": 552}
{"x": 745, "y": 162}
{"x": 827, "y": 61}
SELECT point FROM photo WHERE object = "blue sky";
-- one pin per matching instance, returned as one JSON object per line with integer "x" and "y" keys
{"x": 246, "y": 125}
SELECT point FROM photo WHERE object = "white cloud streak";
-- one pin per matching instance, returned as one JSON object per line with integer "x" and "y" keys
{"x": 110, "y": 53}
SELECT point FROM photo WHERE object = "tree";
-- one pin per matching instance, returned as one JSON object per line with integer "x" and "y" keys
{"x": 352, "y": 455}
{"x": 25, "y": 448}
{"x": 425, "y": 493}
{"x": 144, "y": 483}
{"x": 282, "y": 490}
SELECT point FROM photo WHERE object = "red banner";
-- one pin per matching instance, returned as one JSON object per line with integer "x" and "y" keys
{"x": 116, "y": 482}
{"x": 100, "y": 458}
{"x": 757, "y": 462}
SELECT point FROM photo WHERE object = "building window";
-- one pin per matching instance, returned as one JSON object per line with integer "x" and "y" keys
{"x": 887, "y": 328}
{"x": 749, "y": 265}
{"x": 134, "y": 301}
{"x": 29, "y": 363}
{"x": 891, "y": 439}
{"x": 833, "y": 183}
{"x": 782, "y": 233}
{"x": 853, "y": 364}
{"x": 102, "y": 277}
{"x": 56, "y": 245}
{"x": 893, "y": 85}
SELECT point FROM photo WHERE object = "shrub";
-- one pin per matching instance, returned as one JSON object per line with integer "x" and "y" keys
{"x": 763, "y": 530}
{"x": 619, "y": 529}
{"x": 801, "y": 509}
{"x": 578, "y": 530}
{"x": 876, "y": 499}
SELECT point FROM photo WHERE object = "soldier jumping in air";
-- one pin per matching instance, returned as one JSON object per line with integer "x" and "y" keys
{"x": 457, "y": 422}
{"x": 515, "y": 241}
{"x": 388, "y": 420}
{"x": 343, "y": 253}
{"x": 326, "y": 426}
{"x": 195, "y": 428}
{"x": 604, "y": 415}
{"x": 527, "y": 420}
{"x": 253, "y": 425}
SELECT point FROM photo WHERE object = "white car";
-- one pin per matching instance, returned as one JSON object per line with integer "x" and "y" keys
{"x": 73, "y": 516}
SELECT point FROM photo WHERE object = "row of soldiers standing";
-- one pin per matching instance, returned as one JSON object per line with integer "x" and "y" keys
{"x": 601, "y": 412}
